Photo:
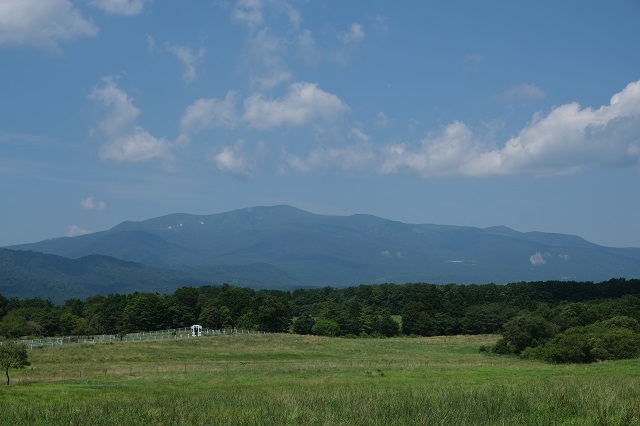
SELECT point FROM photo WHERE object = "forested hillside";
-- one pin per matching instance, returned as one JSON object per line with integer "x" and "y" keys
{"x": 26, "y": 274}
{"x": 379, "y": 310}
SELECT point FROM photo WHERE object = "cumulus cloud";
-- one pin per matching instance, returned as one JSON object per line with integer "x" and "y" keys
{"x": 42, "y": 24}
{"x": 120, "y": 7}
{"x": 355, "y": 34}
{"x": 89, "y": 204}
{"x": 233, "y": 160}
{"x": 445, "y": 154}
{"x": 566, "y": 140}
{"x": 127, "y": 142}
{"x": 264, "y": 60}
{"x": 135, "y": 147}
{"x": 304, "y": 103}
{"x": 263, "y": 57}
{"x": 121, "y": 113}
{"x": 188, "y": 59}
{"x": 210, "y": 112}
{"x": 75, "y": 230}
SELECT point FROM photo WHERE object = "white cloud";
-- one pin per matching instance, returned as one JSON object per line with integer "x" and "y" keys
{"x": 303, "y": 104}
{"x": 291, "y": 12}
{"x": 441, "y": 155}
{"x": 248, "y": 11}
{"x": 567, "y": 140}
{"x": 206, "y": 113}
{"x": 265, "y": 60}
{"x": 354, "y": 35}
{"x": 232, "y": 160}
{"x": 347, "y": 158}
{"x": 42, "y": 24}
{"x": 188, "y": 59}
{"x": 127, "y": 142}
{"x": 89, "y": 204}
{"x": 307, "y": 48}
{"x": 121, "y": 7}
{"x": 121, "y": 113}
{"x": 75, "y": 230}
{"x": 136, "y": 146}
{"x": 358, "y": 134}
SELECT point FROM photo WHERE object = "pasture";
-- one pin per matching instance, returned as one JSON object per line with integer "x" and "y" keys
{"x": 279, "y": 379}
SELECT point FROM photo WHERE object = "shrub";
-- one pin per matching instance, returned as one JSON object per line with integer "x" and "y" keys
{"x": 325, "y": 327}
{"x": 596, "y": 342}
{"x": 524, "y": 331}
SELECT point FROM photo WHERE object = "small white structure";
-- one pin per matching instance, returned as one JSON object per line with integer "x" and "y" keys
{"x": 196, "y": 330}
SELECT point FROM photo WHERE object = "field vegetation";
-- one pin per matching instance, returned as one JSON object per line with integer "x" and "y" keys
{"x": 289, "y": 379}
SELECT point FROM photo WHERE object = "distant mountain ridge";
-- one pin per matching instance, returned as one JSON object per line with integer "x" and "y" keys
{"x": 300, "y": 248}
{"x": 25, "y": 274}
{"x": 31, "y": 274}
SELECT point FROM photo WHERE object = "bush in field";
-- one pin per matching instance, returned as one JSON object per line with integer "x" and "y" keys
{"x": 303, "y": 324}
{"x": 524, "y": 331}
{"x": 616, "y": 338}
{"x": 325, "y": 327}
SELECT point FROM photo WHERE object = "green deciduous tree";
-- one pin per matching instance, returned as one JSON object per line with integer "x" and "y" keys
{"x": 14, "y": 325}
{"x": 303, "y": 324}
{"x": 615, "y": 338}
{"x": 184, "y": 306}
{"x": 325, "y": 327}
{"x": 524, "y": 331}
{"x": 145, "y": 312}
{"x": 210, "y": 316}
{"x": 274, "y": 314}
{"x": 13, "y": 355}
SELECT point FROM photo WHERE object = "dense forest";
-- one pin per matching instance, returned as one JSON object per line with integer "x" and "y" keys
{"x": 546, "y": 320}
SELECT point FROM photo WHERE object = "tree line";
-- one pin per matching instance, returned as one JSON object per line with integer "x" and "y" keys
{"x": 366, "y": 310}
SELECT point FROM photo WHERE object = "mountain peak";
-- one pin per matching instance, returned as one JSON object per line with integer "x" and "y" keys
{"x": 315, "y": 249}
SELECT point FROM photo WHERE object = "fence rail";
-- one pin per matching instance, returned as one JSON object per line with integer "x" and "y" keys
{"x": 176, "y": 333}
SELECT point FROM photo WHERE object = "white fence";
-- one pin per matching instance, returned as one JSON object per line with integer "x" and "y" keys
{"x": 177, "y": 333}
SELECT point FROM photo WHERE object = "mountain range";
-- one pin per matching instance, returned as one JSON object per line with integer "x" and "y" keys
{"x": 285, "y": 247}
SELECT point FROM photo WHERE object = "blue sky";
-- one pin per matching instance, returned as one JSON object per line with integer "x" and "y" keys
{"x": 524, "y": 114}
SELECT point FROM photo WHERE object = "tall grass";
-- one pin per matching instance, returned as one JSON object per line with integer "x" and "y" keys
{"x": 296, "y": 380}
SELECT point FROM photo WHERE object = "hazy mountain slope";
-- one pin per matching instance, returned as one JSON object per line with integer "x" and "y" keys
{"x": 312, "y": 249}
{"x": 31, "y": 274}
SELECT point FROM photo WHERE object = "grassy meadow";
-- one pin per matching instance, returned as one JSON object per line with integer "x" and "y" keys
{"x": 305, "y": 380}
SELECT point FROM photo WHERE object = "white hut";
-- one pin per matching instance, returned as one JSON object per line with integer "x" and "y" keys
{"x": 196, "y": 330}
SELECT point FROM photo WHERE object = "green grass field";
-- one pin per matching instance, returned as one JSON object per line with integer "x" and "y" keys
{"x": 305, "y": 380}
